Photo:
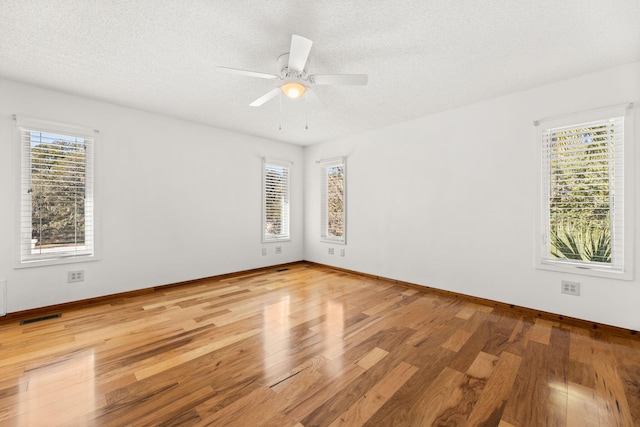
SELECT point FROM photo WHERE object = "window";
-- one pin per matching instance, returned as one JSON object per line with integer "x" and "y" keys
{"x": 583, "y": 196}
{"x": 275, "y": 205}
{"x": 56, "y": 195}
{"x": 333, "y": 201}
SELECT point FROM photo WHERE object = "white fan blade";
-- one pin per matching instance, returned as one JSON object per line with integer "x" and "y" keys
{"x": 315, "y": 100}
{"x": 299, "y": 53}
{"x": 247, "y": 73}
{"x": 339, "y": 79}
{"x": 264, "y": 98}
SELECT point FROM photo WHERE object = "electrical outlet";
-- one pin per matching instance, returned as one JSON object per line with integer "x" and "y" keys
{"x": 570, "y": 288}
{"x": 342, "y": 252}
{"x": 278, "y": 249}
{"x": 75, "y": 276}
{"x": 330, "y": 251}
{"x": 264, "y": 251}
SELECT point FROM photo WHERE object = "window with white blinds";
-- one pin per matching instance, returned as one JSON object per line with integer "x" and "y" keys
{"x": 583, "y": 195}
{"x": 275, "y": 204}
{"x": 56, "y": 192}
{"x": 333, "y": 203}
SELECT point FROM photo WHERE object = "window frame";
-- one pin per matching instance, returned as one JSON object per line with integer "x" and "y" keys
{"x": 324, "y": 215}
{"x": 22, "y": 160}
{"x": 621, "y": 210}
{"x": 286, "y": 236}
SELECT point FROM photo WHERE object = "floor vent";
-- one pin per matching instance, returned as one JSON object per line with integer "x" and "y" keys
{"x": 282, "y": 269}
{"x": 40, "y": 319}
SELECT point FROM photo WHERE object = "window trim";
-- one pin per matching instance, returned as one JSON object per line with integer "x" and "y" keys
{"x": 283, "y": 164}
{"x": 28, "y": 123}
{"x": 324, "y": 166}
{"x": 626, "y": 270}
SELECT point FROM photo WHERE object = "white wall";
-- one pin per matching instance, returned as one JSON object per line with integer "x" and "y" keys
{"x": 446, "y": 201}
{"x": 449, "y": 201}
{"x": 177, "y": 200}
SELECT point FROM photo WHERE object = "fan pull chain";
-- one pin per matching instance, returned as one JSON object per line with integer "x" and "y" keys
{"x": 280, "y": 99}
{"x": 306, "y": 110}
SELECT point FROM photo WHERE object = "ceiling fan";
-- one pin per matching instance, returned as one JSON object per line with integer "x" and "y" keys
{"x": 295, "y": 81}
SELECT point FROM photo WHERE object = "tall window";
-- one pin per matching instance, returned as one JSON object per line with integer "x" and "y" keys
{"x": 275, "y": 205}
{"x": 56, "y": 209}
{"x": 333, "y": 201}
{"x": 583, "y": 197}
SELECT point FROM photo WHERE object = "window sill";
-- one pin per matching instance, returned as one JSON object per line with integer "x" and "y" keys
{"x": 333, "y": 241}
{"x": 55, "y": 261}
{"x": 277, "y": 240}
{"x": 584, "y": 270}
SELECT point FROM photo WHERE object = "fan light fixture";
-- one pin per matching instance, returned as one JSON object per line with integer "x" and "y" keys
{"x": 293, "y": 89}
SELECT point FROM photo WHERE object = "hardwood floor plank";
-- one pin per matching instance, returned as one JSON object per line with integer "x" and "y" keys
{"x": 483, "y": 365}
{"x": 215, "y": 292}
{"x": 491, "y": 403}
{"x": 489, "y": 337}
{"x": 342, "y": 399}
{"x": 519, "y": 336}
{"x": 193, "y": 354}
{"x": 337, "y": 377}
{"x": 358, "y": 413}
{"x": 467, "y": 311}
{"x": 530, "y": 404}
{"x": 383, "y": 305}
{"x": 170, "y": 412}
{"x": 435, "y": 334}
{"x": 238, "y": 412}
{"x": 398, "y": 410}
{"x": 613, "y": 407}
{"x": 558, "y": 373}
{"x": 371, "y": 358}
{"x": 288, "y": 392}
{"x": 281, "y": 382}
{"x": 441, "y": 398}
{"x": 630, "y": 378}
{"x": 457, "y": 340}
{"x": 541, "y": 331}
{"x": 582, "y": 406}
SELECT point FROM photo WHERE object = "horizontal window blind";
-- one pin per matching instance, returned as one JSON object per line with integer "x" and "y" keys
{"x": 276, "y": 202}
{"x": 583, "y": 188}
{"x": 333, "y": 214}
{"x": 56, "y": 211}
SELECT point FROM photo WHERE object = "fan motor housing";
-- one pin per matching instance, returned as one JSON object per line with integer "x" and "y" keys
{"x": 285, "y": 72}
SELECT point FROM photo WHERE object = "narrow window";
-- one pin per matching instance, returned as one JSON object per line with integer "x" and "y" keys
{"x": 275, "y": 205}
{"x": 333, "y": 201}
{"x": 56, "y": 208}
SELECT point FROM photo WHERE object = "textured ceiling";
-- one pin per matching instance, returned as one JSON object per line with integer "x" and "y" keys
{"x": 421, "y": 56}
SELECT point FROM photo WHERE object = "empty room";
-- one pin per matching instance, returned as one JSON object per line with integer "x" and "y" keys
{"x": 319, "y": 213}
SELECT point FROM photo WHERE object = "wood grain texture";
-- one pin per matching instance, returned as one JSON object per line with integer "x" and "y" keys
{"x": 311, "y": 346}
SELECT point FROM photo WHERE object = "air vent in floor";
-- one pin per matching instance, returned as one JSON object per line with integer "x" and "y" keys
{"x": 40, "y": 319}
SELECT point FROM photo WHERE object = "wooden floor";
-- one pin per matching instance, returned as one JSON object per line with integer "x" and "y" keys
{"x": 311, "y": 347}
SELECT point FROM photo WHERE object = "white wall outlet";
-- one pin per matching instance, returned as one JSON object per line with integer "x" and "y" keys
{"x": 278, "y": 249}
{"x": 342, "y": 252}
{"x": 264, "y": 251}
{"x": 330, "y": 251}
{"x": 570, "y": 288}
{"x": 75, "y": 276}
